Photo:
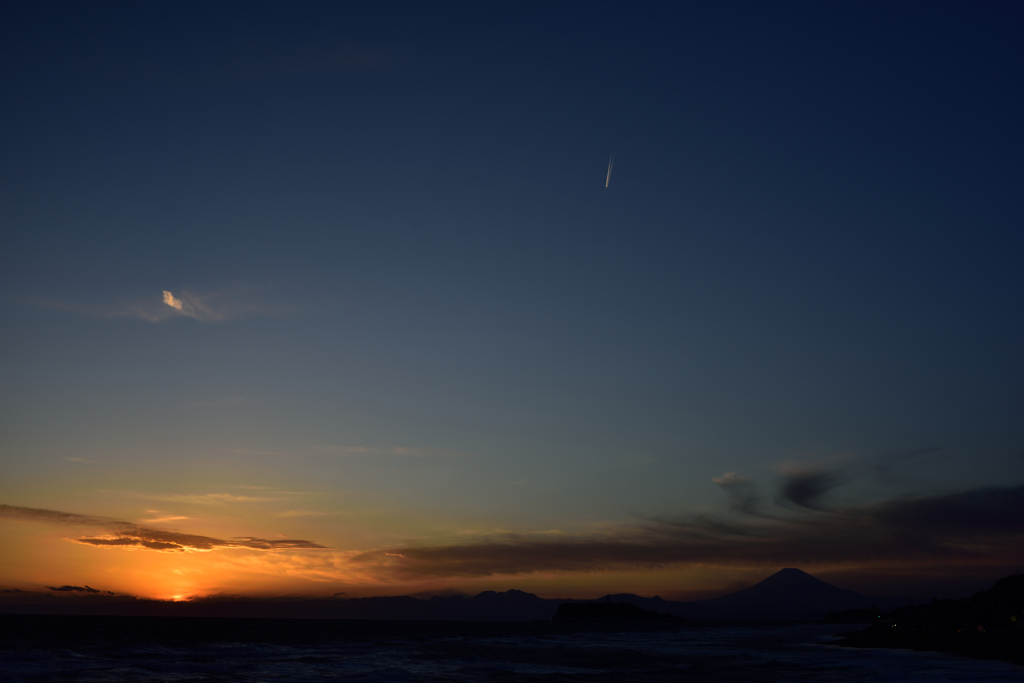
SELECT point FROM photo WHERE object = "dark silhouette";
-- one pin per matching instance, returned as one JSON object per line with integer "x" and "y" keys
{"x": 989, "y": 625}
{"x": 608, "y": 611}
{"x": 788, "y": 595}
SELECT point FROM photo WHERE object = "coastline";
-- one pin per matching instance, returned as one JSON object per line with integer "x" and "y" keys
{"x": 1003, "y": 646}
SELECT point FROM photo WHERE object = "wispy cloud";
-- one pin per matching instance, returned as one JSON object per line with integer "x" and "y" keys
{"x": 197, "y": 306}
{"x": 807, "y": 487}
{"x": 209, "y": 305}
{"x": 396, "y": 450}
{"x": 206, "y": 498}
{"x": 978, "y": 526}
{"x": 984, "y": 525}
{"x": 169, "y": 541}
{"x": 249, "y": 451}
{"x": 742, "y": 491}
{"x": 171, "y": 301}
{"x": 304, "y": 513}
{"x": 165, "y": 518}
{"x": 129, "y": 536}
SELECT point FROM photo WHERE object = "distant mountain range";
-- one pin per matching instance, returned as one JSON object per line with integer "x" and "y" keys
{"x": 789, "y": 594}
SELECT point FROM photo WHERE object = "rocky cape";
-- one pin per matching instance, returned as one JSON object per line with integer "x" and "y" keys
{"x": 988, "y": 625}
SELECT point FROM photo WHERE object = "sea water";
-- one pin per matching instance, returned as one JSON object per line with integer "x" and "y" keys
{"x": 280, "y": 651}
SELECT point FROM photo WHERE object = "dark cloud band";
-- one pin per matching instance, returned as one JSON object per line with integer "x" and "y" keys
{"x": 131, "y": 536}
{"x": 981, "y": 525}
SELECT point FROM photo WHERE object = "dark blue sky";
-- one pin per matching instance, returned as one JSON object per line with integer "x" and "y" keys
{"x": 389, "y": 228}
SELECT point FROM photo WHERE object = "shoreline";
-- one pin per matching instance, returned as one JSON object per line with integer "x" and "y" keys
{"x": 1004, "y": 646}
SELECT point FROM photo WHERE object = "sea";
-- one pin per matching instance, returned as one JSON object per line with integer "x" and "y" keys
{"x": 89, "y": 649}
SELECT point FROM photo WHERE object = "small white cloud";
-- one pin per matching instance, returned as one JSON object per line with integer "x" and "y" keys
{"x": 171, "y": 301}
{"x": 205, "y": 305}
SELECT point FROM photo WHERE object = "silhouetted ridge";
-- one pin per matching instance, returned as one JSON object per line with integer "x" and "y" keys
{"x": 789, "y": 590}
{"x": 1005, "y": 597}
{"x": 989, "y": 625}
{"x": 789, "y": 594}
{"x": 607, "y": 611}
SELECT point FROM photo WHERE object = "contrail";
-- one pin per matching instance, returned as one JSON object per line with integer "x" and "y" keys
{"x": 611, "y": 160}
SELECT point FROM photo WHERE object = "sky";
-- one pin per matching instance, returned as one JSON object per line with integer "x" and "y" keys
{"x": 317, "y": 298}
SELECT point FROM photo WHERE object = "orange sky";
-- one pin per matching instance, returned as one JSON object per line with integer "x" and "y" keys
{"x": 46, "y": 547}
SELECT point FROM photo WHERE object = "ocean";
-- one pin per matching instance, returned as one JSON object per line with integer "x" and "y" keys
{"x": 83, "y": 649}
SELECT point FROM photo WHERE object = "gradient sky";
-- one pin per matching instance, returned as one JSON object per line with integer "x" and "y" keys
{"x": 347, "y": 275}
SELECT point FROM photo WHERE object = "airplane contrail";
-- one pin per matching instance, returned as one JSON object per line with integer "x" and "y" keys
{"x": 611, "y": 160}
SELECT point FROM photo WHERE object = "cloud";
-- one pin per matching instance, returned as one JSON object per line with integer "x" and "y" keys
{"x": 169, "y": 541}
{"x": 197, "y": 306}
{"x": 304, "y": 513}
{"x": 806, "y": 488}
{"x": 742, "y": 491}
{"x": 397, "y": 450}
{"x": 121, "y": 534}
{"x": 206, "y": 498}
{"x": 167, "y": 518}
{"x": 983, "y": 525}
{"x": 56, "y": 517}
{"x": 248, "y": 451}
{"x": 210, "y": 305}
{"x": 171, "y": 301}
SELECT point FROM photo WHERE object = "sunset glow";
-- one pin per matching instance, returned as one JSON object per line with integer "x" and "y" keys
{"x": 329, "y": 299}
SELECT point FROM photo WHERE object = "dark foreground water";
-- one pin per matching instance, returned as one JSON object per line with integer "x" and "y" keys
{"x": 115, "y": 649}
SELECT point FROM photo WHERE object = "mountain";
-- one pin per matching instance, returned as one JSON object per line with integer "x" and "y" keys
{"x": 512, "y": 605}
{"x": 788, "y": 593}
{"x": 608, "y": 612}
